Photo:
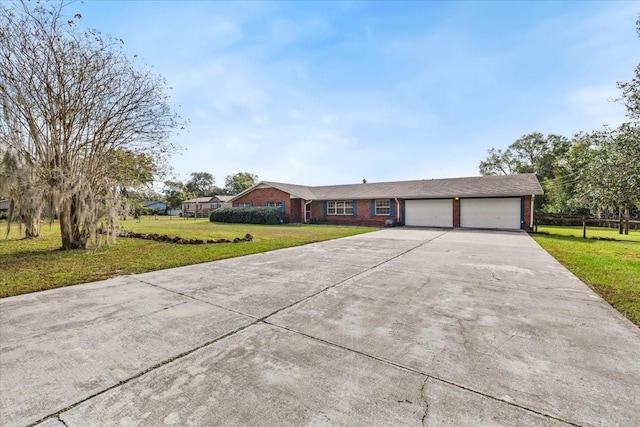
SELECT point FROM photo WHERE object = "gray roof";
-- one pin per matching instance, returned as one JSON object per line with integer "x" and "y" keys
{"x": 477, "y": 186}
{"x": 210, "y": 199}
{"x": 300, "y": 191}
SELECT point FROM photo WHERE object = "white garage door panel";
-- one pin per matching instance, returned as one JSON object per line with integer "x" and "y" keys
{"x": 490, "y": 213}
{"x": 429, "y": 213}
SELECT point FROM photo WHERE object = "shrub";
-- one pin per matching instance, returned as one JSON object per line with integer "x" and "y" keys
{"x": 318, "y": 220}
{"x": 258, "y": 215}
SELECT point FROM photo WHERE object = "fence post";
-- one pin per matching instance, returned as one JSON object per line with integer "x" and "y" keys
{"x": 584, "y": 227}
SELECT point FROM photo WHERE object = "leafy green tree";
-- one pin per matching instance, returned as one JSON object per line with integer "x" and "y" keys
{"x": 237, "y": 183}
{"x": 498, "y": 162}
{"x": 531, "y": 153}
{"x": 201, "y": 184}
{"x": 611, "y": 174}
{"x": 630, "y": 91}
{"x": 176, "y": 192}
{"x": 560, "y": 191}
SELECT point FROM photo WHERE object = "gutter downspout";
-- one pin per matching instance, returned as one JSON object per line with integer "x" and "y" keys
{"x": 397, "y": 210}
{"x": 533, "y": 197}
{"x": 304, "y": 211}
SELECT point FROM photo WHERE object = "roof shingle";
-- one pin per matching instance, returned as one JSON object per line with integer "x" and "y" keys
{"x": 477, "y": 186}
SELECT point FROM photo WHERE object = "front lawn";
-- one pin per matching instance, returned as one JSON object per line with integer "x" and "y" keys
{"x": 36, "y": 265}
{"x": 612, "y": 269}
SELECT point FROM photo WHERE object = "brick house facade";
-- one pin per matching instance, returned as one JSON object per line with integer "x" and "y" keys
{"x": 384, "y": 204}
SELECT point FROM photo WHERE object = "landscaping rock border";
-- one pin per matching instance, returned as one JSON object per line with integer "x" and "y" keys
{"x": 181, "y": 240}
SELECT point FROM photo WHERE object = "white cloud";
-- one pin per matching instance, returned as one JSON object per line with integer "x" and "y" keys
{"x": 222, "y": 34}
{"x": 343, "y": 92}
{"x": 595, "y": 106}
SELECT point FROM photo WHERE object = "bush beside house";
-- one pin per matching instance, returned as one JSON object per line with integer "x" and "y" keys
{"x": 258, "y": 215}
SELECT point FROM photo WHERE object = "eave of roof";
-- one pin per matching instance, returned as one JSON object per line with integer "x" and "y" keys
{"x": 479, "y": 186}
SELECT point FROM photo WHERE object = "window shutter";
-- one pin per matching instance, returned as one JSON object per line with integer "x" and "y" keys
{"x": 282, "y": 207}
{"x": 250, "y": 204}
{"x": 373, "y": 208}
{"x": 355, "y": 207}
{"x": 392, "y": 208}
{"x": 324, "y": 208}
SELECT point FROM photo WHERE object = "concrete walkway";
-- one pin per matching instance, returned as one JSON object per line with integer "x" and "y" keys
{"x": 397, "y": 327}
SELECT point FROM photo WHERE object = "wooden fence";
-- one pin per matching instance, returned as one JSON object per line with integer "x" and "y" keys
{"x": 622, "y": 224}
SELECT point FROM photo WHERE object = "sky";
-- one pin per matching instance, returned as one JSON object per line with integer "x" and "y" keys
{"x": 322, "y": 93}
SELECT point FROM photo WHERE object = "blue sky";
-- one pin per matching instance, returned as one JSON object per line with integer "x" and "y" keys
{"x": 333, "y": 92}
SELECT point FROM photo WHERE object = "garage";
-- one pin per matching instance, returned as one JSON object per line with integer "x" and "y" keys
{"x": 429, "y": 213}
{"x": 503, "y": 213}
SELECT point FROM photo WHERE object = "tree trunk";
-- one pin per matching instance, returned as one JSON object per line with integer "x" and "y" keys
{"x": 627, "y": 215}
{"x": 32, "y": 226}
{"x": 72, "y": 236}
{"x": 621, "y": 223}
{"x": 31, "y": 219}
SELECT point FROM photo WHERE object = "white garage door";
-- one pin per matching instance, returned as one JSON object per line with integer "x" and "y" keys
{"x": 490, "y": 213}
{"x": 429, "y": 213}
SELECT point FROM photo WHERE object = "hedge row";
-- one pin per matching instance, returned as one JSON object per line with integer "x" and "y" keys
{"x": 258, "y": 215}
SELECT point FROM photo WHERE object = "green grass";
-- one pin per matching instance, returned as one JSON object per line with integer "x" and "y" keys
{"x": 612, "y": 269}
{"x": 634, "y": 235}
{"x": 36, "y": 265}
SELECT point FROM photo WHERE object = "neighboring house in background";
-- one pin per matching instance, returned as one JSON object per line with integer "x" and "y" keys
{"x": 200, "y": 207}
{"x": 4, "y": 209}
{"x": 499, "y": 202}
{"x": 161, "y": 208}
{"x": 155, "y": 206}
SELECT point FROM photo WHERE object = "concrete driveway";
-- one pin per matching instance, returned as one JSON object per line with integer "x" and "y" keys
{"x": 397, "y": 327}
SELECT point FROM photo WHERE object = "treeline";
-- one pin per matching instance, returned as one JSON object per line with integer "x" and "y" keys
{"x": 203, "y": 184}
{"x": 589, "y": 173}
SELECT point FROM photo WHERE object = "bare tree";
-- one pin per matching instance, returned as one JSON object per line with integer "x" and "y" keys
{"x": 79, "y": 107}
{"x": 19, "y": 181}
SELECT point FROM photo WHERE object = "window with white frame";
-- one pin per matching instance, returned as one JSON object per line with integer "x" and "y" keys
{"x": 340, "y": 207}
{"x": 216, "y": 205}
{"x": 273, "y": 204}
{"x": 244, "y": 205}
{"x": 383, "y": 207}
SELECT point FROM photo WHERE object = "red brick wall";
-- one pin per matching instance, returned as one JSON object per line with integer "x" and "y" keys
{"x": 260, "y": 196}
{"x": 527, "y": 213}
{"x": 363, "y": 214}
{"x": 296, "y": 210}
{"x": 456, "y": 213}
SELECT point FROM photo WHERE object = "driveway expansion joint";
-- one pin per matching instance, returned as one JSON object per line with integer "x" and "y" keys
{"x": 172, "y": 359}
{"x": 144, "y": 282}
{"x": 222, "y": 337}
{"x": 459, "y": 326}
{"x": 428, "y": 376}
